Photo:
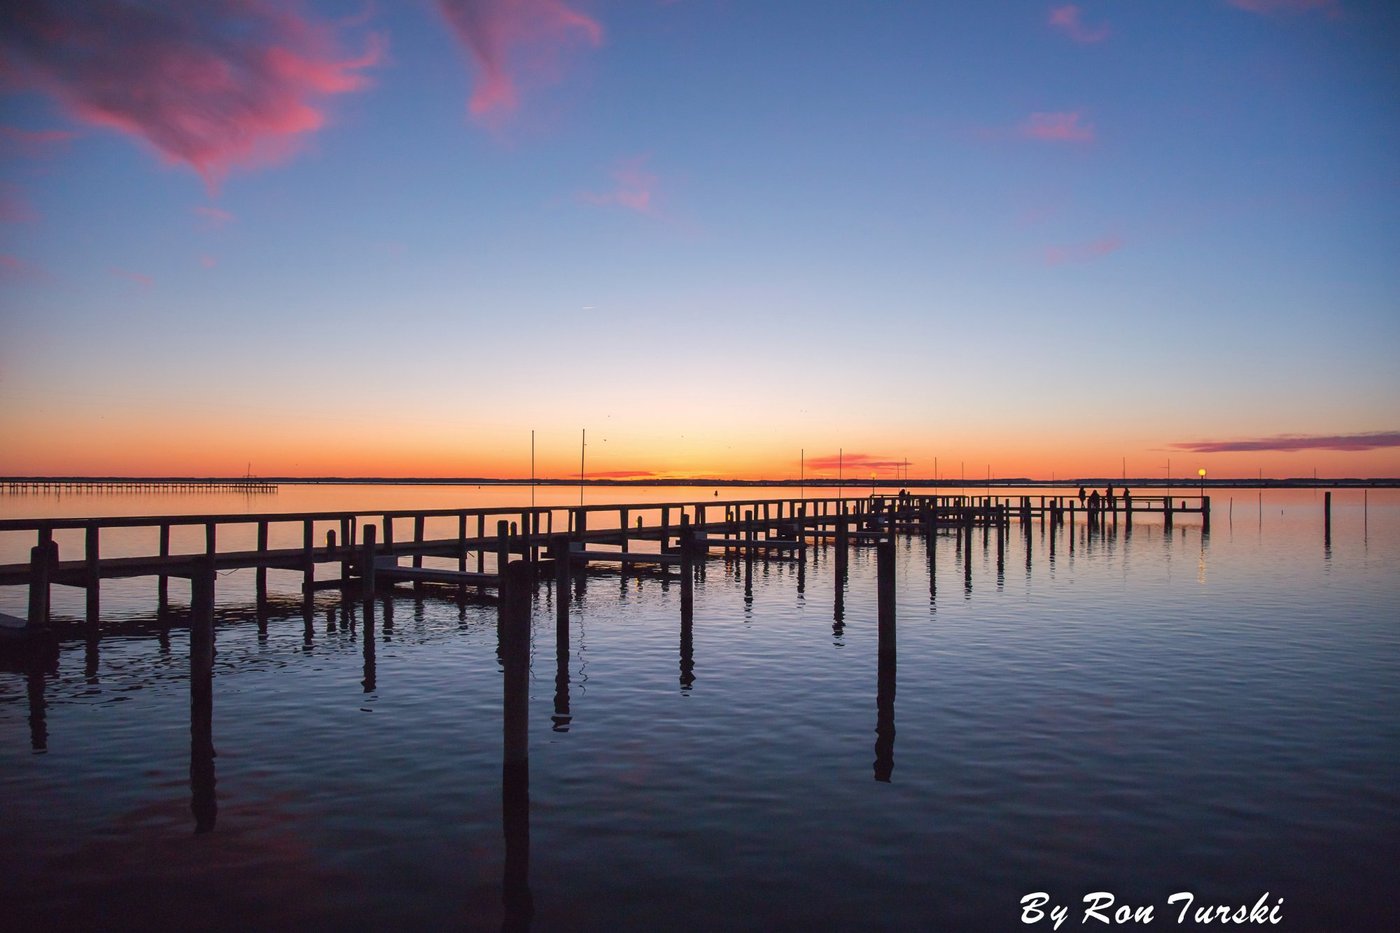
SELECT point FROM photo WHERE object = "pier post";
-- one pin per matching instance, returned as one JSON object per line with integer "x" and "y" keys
{"x": 1205, "y": 515}
{"x": 622, "y": 519}
{"x": 502, "y": 556}
{"x": 93, "y": 575}
{"x": 42, "y": 558}
{"x": 559, "y": 553}
{"x": 347, "y": 542}
{"x": 515, "y": 762}
{"x": 461, "y": 542}
{"x": 163, "y": 584}
{"x": 203, "y": 802}
{"x": 367, "y": 564}
{"x": 308, "y": 561}
{"x": 687, "y": 570}
{"x": 1327, "y": 518}
{"x": 1001, "y": 537}
{"x": 261, "y": 572}
{"x": 885, "y": 665}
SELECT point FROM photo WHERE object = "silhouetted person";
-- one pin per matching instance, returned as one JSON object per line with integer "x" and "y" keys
{"x": 1081, "y": 497}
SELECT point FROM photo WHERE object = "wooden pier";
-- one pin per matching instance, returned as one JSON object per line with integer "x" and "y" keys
{"x": 472, "y": 546}
{"x": 62, "y": 485}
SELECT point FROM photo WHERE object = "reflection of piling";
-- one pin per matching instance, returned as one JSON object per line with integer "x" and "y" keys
{"x": 203, "y": 802}
{"x": 884, "y": 700}
{"x": 368, "y": 644}
{"x": 38, "y": 727}
{"x": 514, "y": 608}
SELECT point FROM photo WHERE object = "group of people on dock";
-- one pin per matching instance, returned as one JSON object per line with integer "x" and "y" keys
{"x": 1108, "y": 502}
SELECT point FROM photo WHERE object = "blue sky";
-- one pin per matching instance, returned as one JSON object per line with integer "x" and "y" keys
{"x": 1035, "y": 236}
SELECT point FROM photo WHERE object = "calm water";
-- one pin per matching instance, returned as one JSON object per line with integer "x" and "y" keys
{"x": 1141, "y": 715}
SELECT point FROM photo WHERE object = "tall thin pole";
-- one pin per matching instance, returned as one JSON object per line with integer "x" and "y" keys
{"x": 532, "y": 468}
{"x": 840, "y": 472}
{"x": 802, "y": 472}
{"x": 583, "y": 445}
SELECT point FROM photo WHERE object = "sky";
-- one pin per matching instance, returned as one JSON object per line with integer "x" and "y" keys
{"x": 726, "y": 238}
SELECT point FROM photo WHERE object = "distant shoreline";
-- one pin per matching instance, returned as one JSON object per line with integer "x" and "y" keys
{"x": 1007, "y": 483}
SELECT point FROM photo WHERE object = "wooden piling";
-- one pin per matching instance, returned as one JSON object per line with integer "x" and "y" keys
{"x": 367, "y": 563}
{"x": 1205, "y": 515}
{"x": 885, "y": 595}
{"x": 514, "y": 608}
{"x": 92, "y": 574}
{"x": 163, "y": 583}
{"x": 308, "y": 559}
{"x": 262, "y": 569}
{"x": 1327, "y": 517}
{"x": 559, "y": 554}
{"x": 203, "y": 803}
{"x": 687, "y": 569}
{"x": 43, "y": 557}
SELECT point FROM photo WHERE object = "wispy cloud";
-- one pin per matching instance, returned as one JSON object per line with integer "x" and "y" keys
{"x": 1083, "y": 252}
{"x": 209, "y": 85}
{"x": 621, "y": 474}
{"x": 512, "y": 42}
{"x": 208, "y": 262}
{"x": 1064, "y": 126}
{"x": 32, "y": 144}
{"x": 634, "y": 187}
{"x": 853, "y": 463}
{"x": 14, "y": 270}
{"x": 213, "y": 217}
{"x": 1287, "y": 6}
{"x": 145, "y": 281}
{"x": 14, "y": 207}
{"x": 1069, "y": 20}
{"x": 1291, "y": 442}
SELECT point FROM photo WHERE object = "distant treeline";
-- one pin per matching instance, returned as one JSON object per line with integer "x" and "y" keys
{"x": 1014, "y": 482}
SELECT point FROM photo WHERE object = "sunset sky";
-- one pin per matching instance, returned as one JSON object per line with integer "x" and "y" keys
{"x": 395, "y": 237}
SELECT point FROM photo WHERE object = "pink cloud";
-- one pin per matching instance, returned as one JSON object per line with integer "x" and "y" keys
{"x": 1083, "y": 252}
{"x": 14, "y": 208}
{"x": 208, "y": 262}
{"x": 635, "y": 188}
{"x": 14, "y": 270}
{"x": 1067, "y": 20}
{"x": 853, "y": 464}
{"x": 213, "y": 216}
{"x": 1057, "y": 127}
{"x": 145, "y": 281}
{"x": 210, "y": 85}
{"x": 32, "y": 144}
{"x": 1287, "y": 6}
{"x": 511, "y": 41}
{"x": 1292, "y": 442}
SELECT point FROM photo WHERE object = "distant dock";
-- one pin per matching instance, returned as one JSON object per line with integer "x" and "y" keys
{"x": 77, "y": 485}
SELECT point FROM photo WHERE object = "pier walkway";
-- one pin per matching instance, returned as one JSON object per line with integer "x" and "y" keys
{"x": 471, "y": 546}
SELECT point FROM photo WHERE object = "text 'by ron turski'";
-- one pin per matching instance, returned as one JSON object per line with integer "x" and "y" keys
{"x": 1181, "y": 907}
